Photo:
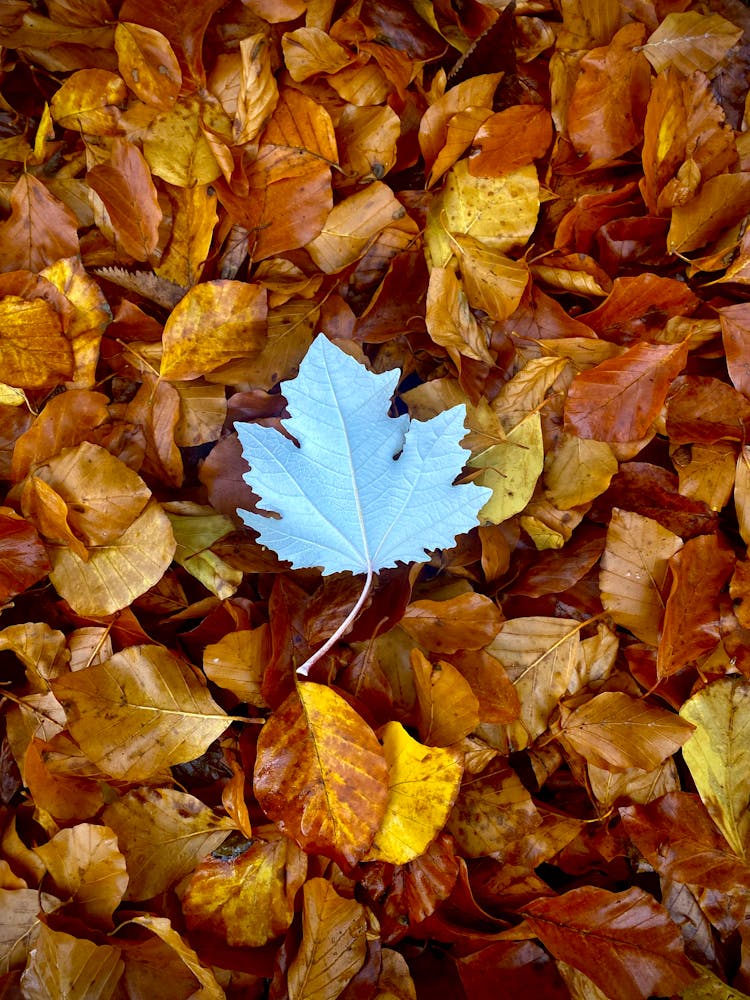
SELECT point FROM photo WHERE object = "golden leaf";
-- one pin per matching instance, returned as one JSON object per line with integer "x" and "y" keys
{"x": 141, "y": 710}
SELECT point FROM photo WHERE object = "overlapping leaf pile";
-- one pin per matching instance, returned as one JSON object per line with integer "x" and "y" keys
{"x": 526, "y": 769}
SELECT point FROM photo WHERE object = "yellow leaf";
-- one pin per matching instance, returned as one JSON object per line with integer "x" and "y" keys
{"x": 500, "y": 212}
{"x": 633, "y": 571}
{"x": 578, "y": 470}
{"x": 141, "y": 710}
{"x": 163, "y": 834}
{"x": 333, "y": 945}
{"x": 193, "y": 220}
{"x": 88, "y": 101}
{"x": 34, "y": 353}
{"x": 195, "y": 529}
{"x": 10, "y": 396}
{"x": 176, "y": 148}
{"x": 718, "y": 755}
{"x": 90, "y": 316}
{"x": 246, "y": 899}
{"x": 86, "y": 865}
{"x": 367, "y": 140}
{"x": 215, "y": 323}
{"x": 511, "y": 469}
{"x": 321, "y": 774}
{"x": 493, "y": 282}
{"x": 448, "y": 708}
{"x": 147, "y": 62}
{"x": 450, "y": 321}
{"x": 422, "y": 786}
{"x": 116, "y": 574}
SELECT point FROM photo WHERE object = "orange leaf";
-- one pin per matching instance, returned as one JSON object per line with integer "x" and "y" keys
{"x": 620, "y": 398}
{"x": 321, "y": 774}
{"x": 39, "y": 230}
{"x": 510, "y": 139}
{"x": 608, "y": 104}
{"x": 148, "y": 64}
{"x": 125, "y": 186}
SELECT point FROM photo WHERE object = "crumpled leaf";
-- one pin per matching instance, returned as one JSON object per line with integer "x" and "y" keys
{"x": 321, "y": 774}
{"x": 333, "y": 943}
{"x": 328, "y": 490}
{"x": 158, "y": 711}
{"x": 85, "y": 864}
{"x": 634, "y": 570}
{"x": 717, "y": 755}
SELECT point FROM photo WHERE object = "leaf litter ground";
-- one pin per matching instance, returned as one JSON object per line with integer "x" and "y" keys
{"x": 524, "y": 767}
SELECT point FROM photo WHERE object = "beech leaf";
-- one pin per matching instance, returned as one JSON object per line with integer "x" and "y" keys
{"x": 345, "y": 503}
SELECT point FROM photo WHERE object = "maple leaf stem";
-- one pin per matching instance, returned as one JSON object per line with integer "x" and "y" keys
{"x": 304, "y": 669}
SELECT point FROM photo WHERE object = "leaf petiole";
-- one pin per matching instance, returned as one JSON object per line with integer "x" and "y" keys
{"x": 304, "y": 669}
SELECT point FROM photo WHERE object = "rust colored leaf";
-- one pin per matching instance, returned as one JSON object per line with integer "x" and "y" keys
{"x": 39, "y": 230}
{"x": 638, "y": 308}
{"x": 125, "y": 186}
{"x": 23, "y": 558}
{"x": 321, "y": 774}
{"x": 619, "y": 400}
{"x": 677, "y": 836}
{"x": 624, "y": 941}
{"x": 691, "y": 626}
{"x": 706, "y": 410}
{"x": 468, "y": 621}
{"x": 608, "y": 103}
{"x": 735, "y": 332}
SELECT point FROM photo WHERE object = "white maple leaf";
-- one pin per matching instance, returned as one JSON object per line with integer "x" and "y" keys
{"x": 363, "y": 490}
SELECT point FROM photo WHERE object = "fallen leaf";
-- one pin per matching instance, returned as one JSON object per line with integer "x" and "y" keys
{"x": 159, "y": 712}
{"x": 321, "y": 774}
{"x": 716, "y": 755}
